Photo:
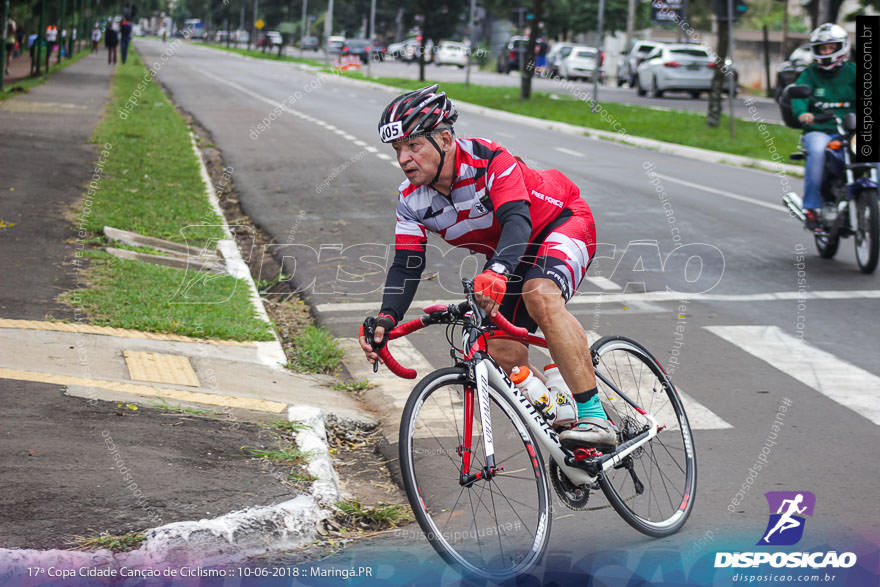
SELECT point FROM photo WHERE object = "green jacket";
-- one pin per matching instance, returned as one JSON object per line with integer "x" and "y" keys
{"x": 836, "y": 91}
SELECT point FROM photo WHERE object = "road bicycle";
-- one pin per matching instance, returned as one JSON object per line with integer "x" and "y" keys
{"x": 472, "y": 447}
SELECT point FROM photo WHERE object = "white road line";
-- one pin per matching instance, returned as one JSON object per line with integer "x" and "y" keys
{"x": 384, "y": 156}
{"x": 284, "y": 108}
{"x": 652, "y": 296}
{"x": 843, "y": 382}
{"x": 371, "y": 149}
{"x": 718, "y": 192}
{"x": 569, "y": 152}
{"x": 603, "y": 283}
{"x": 360, "y": 143}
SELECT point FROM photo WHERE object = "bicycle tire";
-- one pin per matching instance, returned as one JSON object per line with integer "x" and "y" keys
{"x": 631, "y": 368}
{"x": 420, "y": 438}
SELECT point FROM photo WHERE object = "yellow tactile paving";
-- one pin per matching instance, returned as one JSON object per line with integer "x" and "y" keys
{"x": 108, "y": 331}
{"x": 147, "y": 390}
{"x": 160, "y": 368}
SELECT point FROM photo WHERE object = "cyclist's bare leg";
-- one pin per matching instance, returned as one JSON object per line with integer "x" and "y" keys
{"x": 510, "y": 353}
{"x": 565, "y": 335}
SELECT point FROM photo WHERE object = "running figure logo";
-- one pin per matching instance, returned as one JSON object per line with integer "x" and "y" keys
{"x": 787, "y": 508}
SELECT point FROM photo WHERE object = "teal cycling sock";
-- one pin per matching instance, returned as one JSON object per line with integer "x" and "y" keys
{"x": 589, "y": 406}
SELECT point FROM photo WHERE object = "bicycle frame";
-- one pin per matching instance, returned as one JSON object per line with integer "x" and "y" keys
{"x": 483, "y": 370}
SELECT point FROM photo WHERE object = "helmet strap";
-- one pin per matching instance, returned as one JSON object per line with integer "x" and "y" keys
{"x": 442, "y": 158}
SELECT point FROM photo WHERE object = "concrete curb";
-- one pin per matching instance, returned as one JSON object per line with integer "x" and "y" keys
{"x": 695, "y": 153}
{"x": 270, "y": 353}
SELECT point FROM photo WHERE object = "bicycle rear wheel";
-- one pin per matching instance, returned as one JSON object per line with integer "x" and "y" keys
{"x": 494, "y": 528}
{"x": 653, "y": 487}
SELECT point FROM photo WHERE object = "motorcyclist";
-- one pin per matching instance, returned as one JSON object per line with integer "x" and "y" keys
{"x": 832, "y": 80}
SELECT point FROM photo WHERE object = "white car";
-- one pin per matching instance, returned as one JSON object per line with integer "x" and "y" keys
{"x": 687, "y": 68}
{"x": 451, "y": 53}
{"x": 556, "y": 54}
{"x": 582, "y": 62}
{"x": 626, "y": 69}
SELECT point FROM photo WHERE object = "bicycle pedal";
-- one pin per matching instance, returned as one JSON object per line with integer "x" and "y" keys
{"x": 582, "y": 454}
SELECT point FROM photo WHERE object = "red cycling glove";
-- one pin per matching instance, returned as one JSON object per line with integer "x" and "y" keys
{"x": 491, "y": 284}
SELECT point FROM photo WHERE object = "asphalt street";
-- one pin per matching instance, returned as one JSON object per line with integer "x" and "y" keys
{"x": 697, "y": 261}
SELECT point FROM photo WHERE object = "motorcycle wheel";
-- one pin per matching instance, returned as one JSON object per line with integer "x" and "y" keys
{"x": 827, "y": 245}
{"x": 867, "y": 235}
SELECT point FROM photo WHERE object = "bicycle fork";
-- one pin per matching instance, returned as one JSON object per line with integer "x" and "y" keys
{"x": 482, "y": 393}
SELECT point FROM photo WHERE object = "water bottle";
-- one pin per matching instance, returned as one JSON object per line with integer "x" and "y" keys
{"x": 535, "y": 391}
{"x": 566, "y": 408}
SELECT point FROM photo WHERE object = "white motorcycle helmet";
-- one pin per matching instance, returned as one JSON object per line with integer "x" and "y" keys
{"x": 829, "y": 33}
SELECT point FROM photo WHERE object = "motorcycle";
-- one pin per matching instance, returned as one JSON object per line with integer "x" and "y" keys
{"x": 849, "y": 189}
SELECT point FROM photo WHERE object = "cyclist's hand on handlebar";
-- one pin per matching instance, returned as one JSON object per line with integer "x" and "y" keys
{"x": 376, "y": 330}
{"x": 806, "y": 118}
{"x": 489, "y": 290}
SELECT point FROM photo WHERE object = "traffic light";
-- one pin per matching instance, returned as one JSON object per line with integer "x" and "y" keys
{"x": 719, "y": 7}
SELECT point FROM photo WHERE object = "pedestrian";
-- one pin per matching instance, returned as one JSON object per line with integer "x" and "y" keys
{"x": 9, "y": 39}
{"x": 51, "y": 39}
{"x": 33, "y": 41}
{"x": 96, "y": 38}
{"x": 124, "y": 38}
{"x": 19, "y": 41}
{"x": 111, "y": 39}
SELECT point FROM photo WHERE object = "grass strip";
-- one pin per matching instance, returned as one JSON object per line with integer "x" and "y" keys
{"x": 316, "y": 351}
{"x": 150, "y": 182}
{"x": 268, "y": 55}
{"x": 753, "y": 139}
{"x": 143, "y": 296}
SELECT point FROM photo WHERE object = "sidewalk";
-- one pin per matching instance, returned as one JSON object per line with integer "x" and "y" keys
{"x": 83, "y": 451}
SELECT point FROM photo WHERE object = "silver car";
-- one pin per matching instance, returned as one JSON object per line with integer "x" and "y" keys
{"x": 626, "y": 69}
{"x": 686, "y": 68}
{"x": 580, "y": 63}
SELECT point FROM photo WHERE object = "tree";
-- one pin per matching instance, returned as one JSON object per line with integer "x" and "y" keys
{"x": 436, "y": 21}
{"x": 713, "y": 117}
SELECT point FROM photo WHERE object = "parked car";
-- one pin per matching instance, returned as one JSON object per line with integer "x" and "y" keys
{"x": 557, "y": 52}
{"x": 675, "y": 67}
{"x": 310, "y": 44}
{"x": 451, "y": 53}
{"x": 241, "y": 36}
{"x": 626, "y": 69}
{"x": 335, "y": 44}
{"x": 378, "y": 51}
{"x": 269, "y": 40}
{"x": 411, "y": 50}
{"x": 358, "y": 47}
{"x": 788, "y": 71}
{"x": 582, "y": 62}
{"x": 512, "y": 55}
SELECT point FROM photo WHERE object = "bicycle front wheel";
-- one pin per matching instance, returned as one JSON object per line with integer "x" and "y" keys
{"x": 494, "y": 528}
{"x": 653, "y": 487}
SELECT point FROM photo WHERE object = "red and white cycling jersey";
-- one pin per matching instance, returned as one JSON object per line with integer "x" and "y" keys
{"x": 487, "y": 176}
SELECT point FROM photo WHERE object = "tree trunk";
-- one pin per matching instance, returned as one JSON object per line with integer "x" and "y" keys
{"x": 713, "y": 118}
{"x": 528, "y": 65}
{"x": 422, "y": 58}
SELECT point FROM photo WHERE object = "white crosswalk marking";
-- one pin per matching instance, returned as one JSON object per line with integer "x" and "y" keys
{"x": 843, "y": 382}
{"x": 602, "y": 283}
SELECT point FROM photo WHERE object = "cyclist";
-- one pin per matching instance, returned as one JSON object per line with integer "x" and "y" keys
{"x": 833, "y": 81}
{"x": 534, "y": 228}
